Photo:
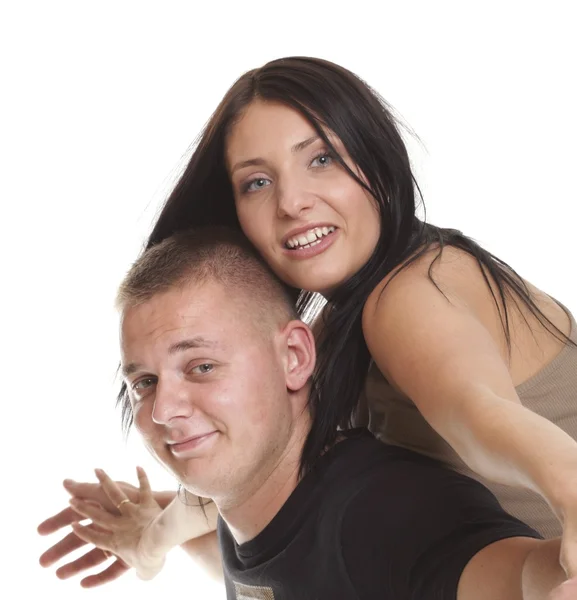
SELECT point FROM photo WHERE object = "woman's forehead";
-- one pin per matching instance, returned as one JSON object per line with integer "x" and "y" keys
{"x": 261, "y": 116}
{"x": 266, "y": 127}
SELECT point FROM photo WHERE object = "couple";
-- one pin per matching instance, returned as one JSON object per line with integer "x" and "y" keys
{"x": 218, "y": 370}
{"x": 426, "y": 338}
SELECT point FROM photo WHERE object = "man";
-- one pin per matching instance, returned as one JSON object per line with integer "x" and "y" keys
{"x": 217, "y": 368}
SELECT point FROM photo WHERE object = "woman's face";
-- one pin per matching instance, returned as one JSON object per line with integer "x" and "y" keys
{"x": 311, "y": 221}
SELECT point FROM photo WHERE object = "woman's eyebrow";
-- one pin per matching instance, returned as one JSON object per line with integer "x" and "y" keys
{"x": 302, "y": 145}
{"x": 259, "y": 162}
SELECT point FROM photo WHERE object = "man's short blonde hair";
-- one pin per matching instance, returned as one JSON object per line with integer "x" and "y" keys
{"x": 210, "y": 254}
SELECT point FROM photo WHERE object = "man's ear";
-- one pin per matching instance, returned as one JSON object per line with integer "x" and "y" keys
{"x": 300, "y": 354}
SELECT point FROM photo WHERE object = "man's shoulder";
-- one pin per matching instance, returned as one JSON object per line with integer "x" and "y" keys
{"x": 408, "y": 523}
{"x": 362, "y": 456}
{"x": 366, "y": 473}
{"x": 392, "y": 487}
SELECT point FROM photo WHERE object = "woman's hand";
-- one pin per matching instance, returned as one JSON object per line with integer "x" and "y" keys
{"x": 568, "y": 556}
{"x": 121, "y": 534}
{"x": 566, "y": 591}
{"x": 94, "y": 494}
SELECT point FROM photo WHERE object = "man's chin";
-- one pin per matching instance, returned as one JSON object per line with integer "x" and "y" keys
{"x": 197, "y": 485}
{"x": 195, "y": 495}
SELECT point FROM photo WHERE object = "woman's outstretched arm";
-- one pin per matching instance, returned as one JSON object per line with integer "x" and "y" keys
{"x": 443, "y": 352}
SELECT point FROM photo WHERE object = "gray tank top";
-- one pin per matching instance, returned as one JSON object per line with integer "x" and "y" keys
{"x": 551, "y": 393}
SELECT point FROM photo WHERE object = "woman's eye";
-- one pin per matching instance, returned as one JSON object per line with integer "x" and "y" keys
{"x": 323, "y": 160}
{"x": 144, "y": 384}
{"x": 203, "y": 369}
{"x": 256, "y": 184}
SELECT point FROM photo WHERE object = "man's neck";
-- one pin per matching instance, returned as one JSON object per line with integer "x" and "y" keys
{"x": 248, "y": 515}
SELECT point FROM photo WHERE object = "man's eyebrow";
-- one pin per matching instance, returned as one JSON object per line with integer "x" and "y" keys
{"x": 195, "y": 342}
{"x": 183, "y": 345}
{"x": 259, "y": 162}
{"x": 129, "y": 369}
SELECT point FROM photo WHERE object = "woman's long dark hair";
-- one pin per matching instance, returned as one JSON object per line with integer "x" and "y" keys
{"x": 332, "y": 98}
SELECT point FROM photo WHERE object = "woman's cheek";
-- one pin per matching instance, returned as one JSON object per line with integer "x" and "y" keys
{"x": 244, "y": 221}
{"x": 253, "y": 231}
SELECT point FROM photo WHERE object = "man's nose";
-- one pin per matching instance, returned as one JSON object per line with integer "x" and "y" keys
{"x": 173, "y": 399}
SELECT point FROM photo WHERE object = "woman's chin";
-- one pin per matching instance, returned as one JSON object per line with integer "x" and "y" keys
{"x": 322, "y": 285}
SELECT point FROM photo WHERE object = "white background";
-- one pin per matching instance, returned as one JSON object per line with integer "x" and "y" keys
{"x": 100, "y": 101}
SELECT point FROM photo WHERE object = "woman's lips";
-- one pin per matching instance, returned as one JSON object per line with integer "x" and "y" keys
{"x": 317, "y": 247}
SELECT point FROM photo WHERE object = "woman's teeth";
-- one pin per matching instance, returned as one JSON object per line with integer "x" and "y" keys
{"x": 309, "y": 238}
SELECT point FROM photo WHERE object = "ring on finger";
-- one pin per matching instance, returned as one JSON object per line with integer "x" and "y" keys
{"x": 123, "y": 501}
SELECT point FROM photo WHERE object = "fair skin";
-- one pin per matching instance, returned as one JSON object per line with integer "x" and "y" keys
{"x": 284, "y": 183}
{"x": 274, "y": 197}
{"x": 223, "y": 408}
{"x": 194, "y": 369}
{"x": 463, "y": 383}
{"x": 194, "y": 366}
{"x": 199, "y": 543}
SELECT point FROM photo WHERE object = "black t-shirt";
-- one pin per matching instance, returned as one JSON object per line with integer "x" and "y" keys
{"x": 371, "y": 521}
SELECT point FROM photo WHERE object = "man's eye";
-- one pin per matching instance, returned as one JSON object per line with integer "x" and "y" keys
{"x": 202, "y": 369}
{"x": 144, "y": 384}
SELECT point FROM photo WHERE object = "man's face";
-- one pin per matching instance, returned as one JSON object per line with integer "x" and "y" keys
{"x": 208, "y": 388}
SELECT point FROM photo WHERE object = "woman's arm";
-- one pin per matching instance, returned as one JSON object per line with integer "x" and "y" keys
{"x": 189, "y": 525}
{"x": 205, "y": 552}
{"x": 513, "y": 569}
{"x": 203, "y": 549}
{"x": 439, "y": 351}
{"x": 143, "y": 533}
{"x": 93, "y": 557}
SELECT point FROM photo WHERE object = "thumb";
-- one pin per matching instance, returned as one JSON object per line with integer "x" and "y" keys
{"x": 568, "y": 559}
{"x": 566, "y": 591}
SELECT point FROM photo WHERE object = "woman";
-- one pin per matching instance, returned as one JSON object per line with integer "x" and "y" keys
{"x": 451, "y": 353}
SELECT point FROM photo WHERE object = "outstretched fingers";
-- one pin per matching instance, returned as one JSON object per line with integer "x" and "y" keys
{"x": 114, "y": 571}
{"x": 58, "y": 521}
{"x": 91, "y": 559}
{"x": 117, "y": 497}
{"x": 145, "y": 491}
{"x": 59, "y": 550}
